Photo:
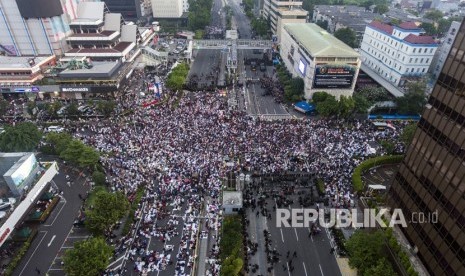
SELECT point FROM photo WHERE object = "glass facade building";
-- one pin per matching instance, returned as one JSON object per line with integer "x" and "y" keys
{"x": 432, "y": 175}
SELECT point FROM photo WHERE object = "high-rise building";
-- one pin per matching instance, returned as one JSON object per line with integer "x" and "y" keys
{"x": 282, "y": 12}
{"x": 432, "y": 175}
{"x": 443, "y": 51}
{"x": 167, "y": 8}
{"x": 35, "y": 28}
{"x": 129, "y": 9}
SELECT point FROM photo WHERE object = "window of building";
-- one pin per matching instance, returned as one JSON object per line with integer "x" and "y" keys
{"x": 411, "y": 59}
{"x": 418, "y": 70}
{"x": 413, "y": 69}
{"x": 431, "y": 50}
{"x": 419, "y": 51}
{"x": 427, "y": 60}
{"x": 424, "y": 69}
{"x": 416, "y": 60}
{"x": 400, "y": 68}
{"x": 403, "y": 58}
{"x": 414, "y": 49}
{"x": 421, "y": 60}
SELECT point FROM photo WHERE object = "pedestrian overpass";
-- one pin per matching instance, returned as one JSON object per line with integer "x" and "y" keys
{"x": 246, "y": 44}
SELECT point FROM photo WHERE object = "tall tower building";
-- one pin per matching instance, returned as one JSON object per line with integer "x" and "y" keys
{"x": 432, "y": 175}
{"x": 35, "y": 28}
{"x": 167, "y": 8}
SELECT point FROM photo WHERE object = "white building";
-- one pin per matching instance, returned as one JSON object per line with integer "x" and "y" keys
{"x": 185, "y": 5}
{"x": 167, "y": 8}
{"x": 397, "y": 53}
{"x": 324, "y": 62}
{"x": 444, "y": 50}
{"x": 35, "y": 28}
{"x": 232, "y": 202}
{"x": 282, "y": 12}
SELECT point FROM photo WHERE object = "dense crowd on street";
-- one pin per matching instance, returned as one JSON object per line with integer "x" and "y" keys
{"x": 178, "y": 155}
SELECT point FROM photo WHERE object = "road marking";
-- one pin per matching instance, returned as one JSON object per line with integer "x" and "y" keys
{"x": 310, "y": 232}
{"x": 288, "y": 272}
{"x": 305, "y": 268}
{"x": 57, "y": 214}
{"x": 78, "y": 237}
{"x": 50, "y": 243}
{"x": 33, "y": 252}
{"x": 282, "y": 237}
{"x": 295, "y": 231}
{"x": 321, "y": 270}
{"x": 115, "y": 261}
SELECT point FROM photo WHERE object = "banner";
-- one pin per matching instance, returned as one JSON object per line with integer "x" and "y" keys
{"x": 334, "y": 76}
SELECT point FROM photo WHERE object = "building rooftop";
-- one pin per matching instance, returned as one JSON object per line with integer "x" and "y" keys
{"x": 317, "y": 41}
{"x": 101, "y": 34}
{"x": 232, "y": 198}
{"x": 118, "y": 48}
{"x": 99, "y": 69}
{"x": 411, "y": 38}
{"x": 7, "y": 62}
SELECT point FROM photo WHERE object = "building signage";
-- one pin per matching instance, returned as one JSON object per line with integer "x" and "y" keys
{"x": 23, "y": 89}
{"x": 334, "y": 76}
{"x": 75, "y": 89}
{"x": 4, "y": 234}
{"x": 35, "y": 89}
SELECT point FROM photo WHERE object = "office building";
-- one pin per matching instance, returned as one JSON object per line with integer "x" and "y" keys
{"x": 282, "y": 12}
{"x": 431, "y": 178}
{"x": 324, "y": 62}
{"x": 397, "y": 53}
{"x": 129, "y": 9}
{"x": 167, "y": 8}
{"x": 444, "y": 49}
{"x": 35, "y": 28}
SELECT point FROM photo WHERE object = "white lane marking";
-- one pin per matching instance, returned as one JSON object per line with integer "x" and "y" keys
{"x": 305, "y": 269}
{"x": 33, "y": 252}
{"x": 321, "y": 270}
{"x": 50, "y": 243}
{"x": 57, "y": 214}
{"x": 295, "y": 231}
{"x": 282, "y": 237}
{"x": 288, "y": 272}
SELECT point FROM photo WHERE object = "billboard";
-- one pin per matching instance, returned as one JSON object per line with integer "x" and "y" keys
{"x": 23, "y": 171}
{"x": 39, "y": 8}
{"x": 334, "y": 76}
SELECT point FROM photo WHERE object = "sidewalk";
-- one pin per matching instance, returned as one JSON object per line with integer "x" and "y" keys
{"x": 344, "y": 267}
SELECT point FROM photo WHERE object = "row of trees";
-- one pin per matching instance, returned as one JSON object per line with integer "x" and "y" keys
{"x": 293, "y": 87}
{"x": 231, "y": 253}
{"x": 261, "y": 26}
{"x": 21, "y": 137}
{"x": 177, "y": 77}
{"x": 367, "y": 253}
{"x": 199, "y": 14}
{"x": 71, "y": 150}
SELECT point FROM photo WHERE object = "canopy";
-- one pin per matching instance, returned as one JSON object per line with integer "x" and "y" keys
{"x": 304, "y": 107}
{"x": 377, "y": 187}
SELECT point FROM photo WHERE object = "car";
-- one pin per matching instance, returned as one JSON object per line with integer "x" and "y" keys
{"x": 83, "y": 108}
{"x": 6, "y": 203}
{"x": 253, "y": 65}
{"x": 62, "y": 110}
{"x": 176, "y": 52}
{"x": 262, "y": 67}
{"x": 2, "y": 214}
{"x": 55, "y": 129}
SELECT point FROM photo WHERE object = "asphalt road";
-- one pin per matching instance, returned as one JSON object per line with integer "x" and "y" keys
{"x": 242, "y": 21}
{"x": 205, "y": 66}
{"x": 313, "y": 252}
{"x": 54, "y": 231}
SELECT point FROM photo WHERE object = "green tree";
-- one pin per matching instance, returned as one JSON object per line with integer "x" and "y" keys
{"x": 58, "y": 141}
{"x": 347, "y": 35}
{"x": 231, "y": 254}
{"x": 199, "y": 34}
{"x": 408, "y": 132}
{"x": 98, "y": 178}
{"x": 375, "y": 94}
{"x": 31, "y": 106}
{"x": 388, "y": 146}
{"x": 413, "y": 100}
{"x": 4, "y": 105}
{"x": 429, "y": 28}
{"x": 53, "y": 108}
{"x": 365, "y": 249}
{"x": 107, "y": 210}
{"x": 381, "y": 9}
{"x": 319, "y": 96}
{"x": 79, "y": 154}
{"x": 22, "y": 137}
{"x": 260, "y": 26}
{"x": 106, "y": 107}
{"x": 328, "y": 107}
{"x": 87, "y": 258}
{"x": 381, "y": 268}
{"x": 346, "y": 106}
{"x": 434, "y": 15}
{"x": 361, "y": 103}
{"x": 367, "y": 4}
{"x": 72, "y": 109}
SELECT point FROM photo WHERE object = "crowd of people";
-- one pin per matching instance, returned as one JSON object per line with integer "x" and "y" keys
{"x": 178, "y": 155}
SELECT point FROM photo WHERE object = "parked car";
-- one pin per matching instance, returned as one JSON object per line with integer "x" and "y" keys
{"x": 262, "y": 67}
{"x": 6, "y": 203}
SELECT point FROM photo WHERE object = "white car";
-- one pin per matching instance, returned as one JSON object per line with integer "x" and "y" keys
{"x": 6, "y": 203}
{"x": 57, "y": 129}
{"x": 2, "y": 214}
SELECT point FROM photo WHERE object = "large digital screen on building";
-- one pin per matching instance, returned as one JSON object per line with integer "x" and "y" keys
{"x": 24, "y": 170}
{"x": 302, "y": 67}
{"x": 334, "y": 76}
